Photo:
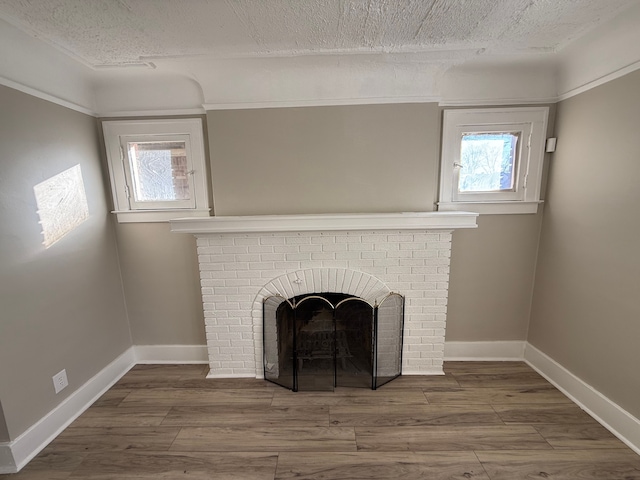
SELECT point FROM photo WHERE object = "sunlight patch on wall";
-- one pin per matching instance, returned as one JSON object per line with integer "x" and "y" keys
{"x": 62, "y": 204}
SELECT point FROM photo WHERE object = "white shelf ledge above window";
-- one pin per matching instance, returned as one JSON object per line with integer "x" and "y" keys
{"x": 163, "y": 215}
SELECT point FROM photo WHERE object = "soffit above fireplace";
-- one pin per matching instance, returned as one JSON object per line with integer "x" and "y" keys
{"x": 326, "y": 222}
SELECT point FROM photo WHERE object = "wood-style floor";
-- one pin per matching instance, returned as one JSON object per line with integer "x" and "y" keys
{"x": 482, "y": 420}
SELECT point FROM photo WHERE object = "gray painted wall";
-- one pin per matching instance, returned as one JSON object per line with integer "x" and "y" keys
{"x": 162, "y": 284}
{"x": 369, "y": 158}
{"x": 62, "y": 307}
{"x": 586, "y": 308}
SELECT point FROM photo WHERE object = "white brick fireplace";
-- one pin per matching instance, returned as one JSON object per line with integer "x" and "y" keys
{"x": 244, "y": 259}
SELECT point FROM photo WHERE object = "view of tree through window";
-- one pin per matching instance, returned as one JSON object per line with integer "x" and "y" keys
{"x": 159, "y": 171}
{"x": 487, "y": 162}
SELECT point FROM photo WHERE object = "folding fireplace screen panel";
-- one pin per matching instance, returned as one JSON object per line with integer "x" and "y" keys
{"x": 325, "y": 340}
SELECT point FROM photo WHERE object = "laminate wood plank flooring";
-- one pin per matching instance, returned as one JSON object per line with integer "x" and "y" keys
{"x": 380, "y": 466}
{"x": 481, "y": 420}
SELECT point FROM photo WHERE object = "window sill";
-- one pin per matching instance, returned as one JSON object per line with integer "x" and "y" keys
{"x": 154, "y": 216}
{"x": 491, "y": 208}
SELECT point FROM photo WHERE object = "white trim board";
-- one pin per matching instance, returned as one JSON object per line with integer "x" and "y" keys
{"x": 40, "y": 434}
{"x": 610, "y": 415}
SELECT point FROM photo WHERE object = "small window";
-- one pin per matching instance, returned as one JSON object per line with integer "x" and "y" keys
{"x": 492, "y": 160}
{"x": 157, "y": 169}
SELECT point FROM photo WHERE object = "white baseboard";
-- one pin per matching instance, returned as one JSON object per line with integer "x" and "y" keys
{"x": 488, "y": 351}
{"x": 39, "y": 435}
{"x": 613, "y": 417}
{"x": 157, "y": 354}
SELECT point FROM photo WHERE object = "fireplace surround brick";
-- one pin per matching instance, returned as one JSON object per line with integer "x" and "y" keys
{"x": 236, "y": 268}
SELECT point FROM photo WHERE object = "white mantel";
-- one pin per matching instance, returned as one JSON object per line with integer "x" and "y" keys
{"x": 244, "y": 259}
{"x": 326, "y": 222}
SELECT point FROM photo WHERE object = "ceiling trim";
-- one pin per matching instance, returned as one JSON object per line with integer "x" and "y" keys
{"x": 153, "y": 113}
{"x": 46, "y": 96}
{"x": 477, "y": 102}
{"x": 600, "y": 81}
{"x": 319, "y": 102}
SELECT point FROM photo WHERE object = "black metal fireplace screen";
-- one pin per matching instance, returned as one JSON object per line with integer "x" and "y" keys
{"x": 321, "y": 341}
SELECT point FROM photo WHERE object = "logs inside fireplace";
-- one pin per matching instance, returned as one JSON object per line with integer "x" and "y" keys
{"x": 320, "y": 341}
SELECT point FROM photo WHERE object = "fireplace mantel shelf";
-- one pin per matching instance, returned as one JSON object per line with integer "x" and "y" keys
{"x": 325, "y": 222}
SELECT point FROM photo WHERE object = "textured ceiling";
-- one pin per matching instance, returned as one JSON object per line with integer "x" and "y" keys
{"x": 122, "y": 32}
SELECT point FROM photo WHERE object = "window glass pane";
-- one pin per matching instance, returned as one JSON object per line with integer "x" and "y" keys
{"x": 488, "y": 162}
{"x": 159, "y": 171}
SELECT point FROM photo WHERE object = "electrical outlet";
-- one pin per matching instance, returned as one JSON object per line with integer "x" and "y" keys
{"x": 60, "y": 381}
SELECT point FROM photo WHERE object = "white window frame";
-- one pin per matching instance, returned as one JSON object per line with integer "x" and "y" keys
{"x": 116, "y": 135}
{"x": 530, "y": 122}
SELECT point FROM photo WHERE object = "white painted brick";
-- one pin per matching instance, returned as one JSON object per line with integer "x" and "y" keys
{"x": 235, "y": 266}
{"x": 334, "y": 247}
{"x": 323, "y": 239}
{"x": 253, "y": 274}
{"x": 357, "y": 252}
{"x": 271, "y": 257}
{"x": 286, "y": 249}
{"x": 349, "y": 239}
{"x": 272, "y": 240}
{"x": 260, "y": 266}
{"x": 246, "y": 240}
{"x": 360, "y": 247}
{"x": 248, "y": 257}
{"x": 400, "y": 254}
{"x": 374, "y": 238}
{"x": 235, "y": 249}
{"x": 261, "y": 249}
{"x": 323, "y": 256}
{"x": 298, "y": 240}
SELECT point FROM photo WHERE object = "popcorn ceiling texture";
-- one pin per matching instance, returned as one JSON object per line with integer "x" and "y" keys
{"x": 239, "y": 270}
{"x": 122, "y": 32}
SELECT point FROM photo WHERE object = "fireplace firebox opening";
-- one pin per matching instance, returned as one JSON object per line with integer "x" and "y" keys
{"x": 320, "y": 341}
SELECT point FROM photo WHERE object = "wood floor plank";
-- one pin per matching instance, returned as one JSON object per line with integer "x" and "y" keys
{"x": 83, "y": 439}
{"x": 273, "y": 439}
{"x": 121, "y": 417}
{"x": 452, "y": 438}
{"x": 590, "y": 435}
{"x": 562, "y": 465}
{"x": 417, "y": 427}
{"x": 496, "y": 395}
{"x": 515, "y": 379}
{"x": 420, "y": 381}
{"x": 111, "y": 398}
{"x": 564, "y": 413}
{"x": 160, "y": 376}
{"x": 224, "y": 383}
{"x": 413, "y": 415}
{"x": 350, "y": 396}
{"x": 170, "y": 465}
{"x": 379, "y": 466}
{"x": 162, "y": 397}
{"x": 248, "y": 416}
{"x": 50, "y": 465}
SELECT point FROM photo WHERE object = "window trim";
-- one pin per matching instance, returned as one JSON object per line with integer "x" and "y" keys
{"x": 116, "y": 131}
{"x": 531, "y": 121}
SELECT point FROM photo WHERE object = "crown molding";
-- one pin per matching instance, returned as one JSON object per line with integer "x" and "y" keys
{"x": 318, "y": 102}
{"x": 152, "y": 113}
{"x": 46, "y": 96}
{"x": 621, "y": 72}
